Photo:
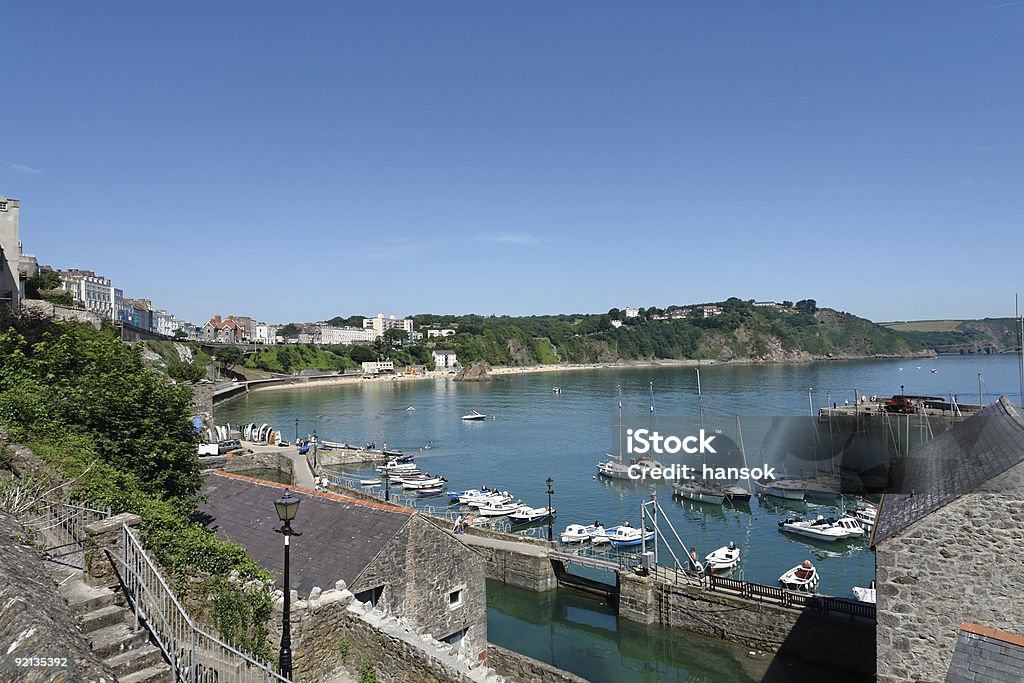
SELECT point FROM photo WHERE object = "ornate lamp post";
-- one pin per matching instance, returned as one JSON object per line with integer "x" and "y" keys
{"x": 551, "y": 517}
{"x": 287, "y": 505}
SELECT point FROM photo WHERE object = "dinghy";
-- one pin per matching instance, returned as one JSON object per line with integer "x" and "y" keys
{"x": 723, "y": 559}
{"x": 803, "y": 577}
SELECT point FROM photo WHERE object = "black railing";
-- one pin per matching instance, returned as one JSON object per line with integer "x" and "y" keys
{"x": 788, "y": 598}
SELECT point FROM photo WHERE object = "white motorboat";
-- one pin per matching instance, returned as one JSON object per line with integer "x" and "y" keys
{"x": 470, "y": 494}
{"x": 866, "y": 517}
{"x": 578, "y": 533}
{"x": 502, "y": 498}
{"x": 822, "y": 529}
{"x": 423, "y": 482}
{"x": 723, "y": 559}
{"x": 865, "y": 594}
{"x": 528, "y": 515}
{"x": 410, "y": 409}
{"x": 474, "y": 416}
{"x": 803, "y": 577}
{"x": 369, "y": 482}
{"x": 496, "y": 508}
{"x": 625, "y": 536}
{"x": 395, "y": 466}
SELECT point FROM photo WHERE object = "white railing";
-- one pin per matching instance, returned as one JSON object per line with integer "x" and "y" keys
{"x": 195, "y": 655}
{"x": 61, "y": 527}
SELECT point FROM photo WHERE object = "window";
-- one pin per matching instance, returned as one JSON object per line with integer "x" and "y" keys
{"x": 3, "y": 206}
{"x": 455, "y": 599}
{"x": 371, "y": 596}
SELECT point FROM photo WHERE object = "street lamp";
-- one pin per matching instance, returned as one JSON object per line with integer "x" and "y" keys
{"x": 551, "y": 516}
{"x": 287, "y": 505}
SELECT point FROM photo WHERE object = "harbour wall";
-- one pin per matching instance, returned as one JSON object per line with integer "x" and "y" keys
{"x": 837, "y": 640}
{"x": 517, "y": 667}
{"x": 274, "y": 466}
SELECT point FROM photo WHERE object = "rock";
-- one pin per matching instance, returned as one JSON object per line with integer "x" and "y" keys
{"x": 477, "y": 372}
{"x": 315, "y": 593}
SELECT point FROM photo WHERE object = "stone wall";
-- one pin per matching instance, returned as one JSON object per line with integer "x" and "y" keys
{"x": 961, "y": 563}
{"x": 834, "y": 640}
{"x": 522, "y": 669}
{"x": 251, "y": 464}
{"x": 34, "y": 621}
{"x": 513, "y": 567}
{"x": 332, "y": 632}
{"x": 432, "y": 566}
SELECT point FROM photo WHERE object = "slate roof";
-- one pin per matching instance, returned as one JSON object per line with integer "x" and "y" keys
{"x": 965, "y": 458}
{"x": 340, "y": 536}
{"x": 985, "y": 654}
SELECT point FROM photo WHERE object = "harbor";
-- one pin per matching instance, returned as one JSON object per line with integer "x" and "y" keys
{"x": 538, "y": 433}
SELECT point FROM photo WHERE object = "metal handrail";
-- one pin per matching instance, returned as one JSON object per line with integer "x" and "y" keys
{"x": 62, "y": 525}
{"x": 194, "y": 654}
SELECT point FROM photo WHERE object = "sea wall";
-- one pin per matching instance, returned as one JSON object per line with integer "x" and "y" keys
{"x": 514, "y": 567}
{"x": 251, "y": 464}
{"x": 836, "y": 640}
{"x": 522, "y": 669}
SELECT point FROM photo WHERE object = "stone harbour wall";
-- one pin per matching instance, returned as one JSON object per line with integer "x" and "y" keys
{"x": 532, "y": 572}
{"x": 522, "y": 669}
{"x": 961, "y": 563}
{"x": 834, "y": 640}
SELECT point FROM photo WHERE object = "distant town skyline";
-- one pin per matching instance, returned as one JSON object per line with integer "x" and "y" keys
{"x": 293, "y": 165}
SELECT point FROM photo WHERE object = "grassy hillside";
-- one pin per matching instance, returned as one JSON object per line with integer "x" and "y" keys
{"x": 990, "y": 335}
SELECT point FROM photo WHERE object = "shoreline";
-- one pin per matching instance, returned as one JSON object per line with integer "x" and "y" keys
{"x": 514, "y": 370}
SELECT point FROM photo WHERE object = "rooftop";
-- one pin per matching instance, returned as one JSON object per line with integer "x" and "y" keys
{"x": 339, "y": 536}
{"x": 985, "y": 654}
{"x": 968, "y": 457}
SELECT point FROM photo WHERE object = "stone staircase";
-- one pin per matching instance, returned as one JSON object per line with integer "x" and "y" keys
{"x": 108, "y": 625}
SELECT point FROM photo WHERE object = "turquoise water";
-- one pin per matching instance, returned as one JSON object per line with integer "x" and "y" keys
{"x": 539, "y": 434}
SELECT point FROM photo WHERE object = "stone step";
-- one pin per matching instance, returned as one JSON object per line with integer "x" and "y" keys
{"x": 83, "y": 598}
{"x": 112, "y": 640}
{"x": 103, "y": 617}
{"x": 133, "y": 661}
{"x": 161, "y": 673}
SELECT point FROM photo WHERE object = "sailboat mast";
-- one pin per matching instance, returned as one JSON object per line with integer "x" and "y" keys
{"x": 1020, "y": 344}
{"x": 620, "y": 422}
{"x": 700, "y": 401}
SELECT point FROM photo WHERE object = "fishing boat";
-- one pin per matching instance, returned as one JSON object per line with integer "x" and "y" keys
{"x": 723, "y": 559}
{"x": 474, "y": 416}
{"x": 578, "y": 533}
{"x": 497, "y": 508}
{"x": 528, "y": 515}
{"x": 698, "y": 491}
{"x": 803, "y": 577}
{"x": 823, "y": 529}
{"x": 625, "y": 536}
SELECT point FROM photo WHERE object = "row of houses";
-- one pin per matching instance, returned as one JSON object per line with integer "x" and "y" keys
{"x": 98, "y": 294}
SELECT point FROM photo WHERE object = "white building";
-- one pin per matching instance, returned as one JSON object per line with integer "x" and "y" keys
{"x": 380, "y": 325}
{"x": 163, "y": 322}
{"x": 94, "y": 293}
{"x": 444, "y": 358}
{"x": 632, "y": 312}
{"x": 711, "y": 311}
{"x": 345, "y": 335}
{"x": 377, "y": 366}
{"x": 616, "y": 323}
{"x": 264, "y": 333}
{"x": 10, "y": 253}
{"x": 764, "y": 304}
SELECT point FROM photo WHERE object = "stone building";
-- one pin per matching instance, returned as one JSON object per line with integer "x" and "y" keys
{"x": 948, "y": 542}
{"x": 390, "y": 556}
{"x": 10, "y": 253}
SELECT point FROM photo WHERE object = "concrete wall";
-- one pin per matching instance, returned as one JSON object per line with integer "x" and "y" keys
{"x": 516, "y": 568}
{"x": 11, "y": 256}
{"x": 432, "y": 565}
{"x": 522, "y": 669}
{"x": 961, "y": 563}
{"x": 836, "y": 641}
{"x": 332, "y": 632}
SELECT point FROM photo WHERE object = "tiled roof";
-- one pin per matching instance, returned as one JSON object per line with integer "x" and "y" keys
{"x": 985, "y": 654}
{"x": 961, "y": 460}
{"x": 339, "y": 537}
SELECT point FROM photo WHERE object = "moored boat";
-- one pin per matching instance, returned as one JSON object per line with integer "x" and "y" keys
{"x": 823, "y": 529}
{"x": 497, "y": 508}
{"x": 369, "y": 482}
{"x": 723, "y": 559}
{"x": 528, "y": 515}
{"x": 698, "y": 491}
{"x": 578, "y": 533}
{"x": 803, "y": 577}
{"x": 628, "y": 536}
{"x": 475, "y": 415}
{"x": 865, "y": 594}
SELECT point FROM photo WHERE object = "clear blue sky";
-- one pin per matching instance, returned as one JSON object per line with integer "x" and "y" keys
{"x": 294, "y": 161}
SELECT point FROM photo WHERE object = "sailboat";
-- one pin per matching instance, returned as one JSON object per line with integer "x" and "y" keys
{"x": 614, "y": 468}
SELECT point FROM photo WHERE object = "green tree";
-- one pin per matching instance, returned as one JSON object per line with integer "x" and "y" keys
{"x": 229, "y": 357}
{"x": 395, "y": 337}
{"x": 289, "y": 330}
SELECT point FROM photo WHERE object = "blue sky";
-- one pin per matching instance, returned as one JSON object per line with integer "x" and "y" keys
{"x": 298, "y": 162}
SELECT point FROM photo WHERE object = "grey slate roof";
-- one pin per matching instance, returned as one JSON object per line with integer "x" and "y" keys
{"x": 339, "y": 536}
{"x": 966, "y": 458}
{"x": 983, "y": 654}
